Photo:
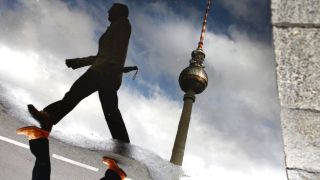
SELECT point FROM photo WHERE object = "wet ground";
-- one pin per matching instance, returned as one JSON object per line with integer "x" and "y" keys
{"x": 71, "y": 162}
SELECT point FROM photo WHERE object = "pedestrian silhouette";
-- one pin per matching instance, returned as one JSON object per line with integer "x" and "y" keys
{"x": 104, "y": 76}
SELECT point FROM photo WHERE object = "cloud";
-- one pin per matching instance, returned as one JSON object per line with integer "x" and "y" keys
{"x": 242, "y": 86}
{"x": 241, "y": 99}
{"x": 48, "y": 26}
{"x": 247, "y": 10}
{"x": 235, "y": 127}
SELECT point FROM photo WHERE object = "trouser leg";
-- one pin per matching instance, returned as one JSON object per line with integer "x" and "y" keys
{"x": 109, "y": 102}
{"x": 111, "y": 175}
{"x": 117, "y": 126}
{"x": 83, "y": 87}
{"x": 42, "y": 167}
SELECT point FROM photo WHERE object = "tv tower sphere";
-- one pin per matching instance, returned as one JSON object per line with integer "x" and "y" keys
{"x": 194, "y": 78}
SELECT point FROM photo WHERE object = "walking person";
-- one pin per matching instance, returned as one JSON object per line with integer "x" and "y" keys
{"x": 104, "y": 76}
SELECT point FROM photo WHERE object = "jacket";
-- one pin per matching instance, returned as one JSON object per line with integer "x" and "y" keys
{"x": 112, "y": 52}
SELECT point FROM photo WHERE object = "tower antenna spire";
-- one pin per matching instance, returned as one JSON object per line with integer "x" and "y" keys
{"x": 204, "y": 23}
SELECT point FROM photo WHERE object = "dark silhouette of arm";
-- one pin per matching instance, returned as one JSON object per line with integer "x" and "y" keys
{"x": 80, "y": 62}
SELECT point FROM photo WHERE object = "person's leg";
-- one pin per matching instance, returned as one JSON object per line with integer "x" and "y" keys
{"x": 114, "y": 172}
{"x": 109, "y": 102}
{"x": 117, "y": 126}
{"x": 39, "y": 147}
{"x": 111, "y": 175}
{"x": 83, "y": 87}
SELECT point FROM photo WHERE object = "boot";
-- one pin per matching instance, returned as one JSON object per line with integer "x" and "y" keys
{"x": 42, "y": 117}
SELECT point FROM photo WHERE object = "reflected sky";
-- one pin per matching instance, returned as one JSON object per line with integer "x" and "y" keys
{"x": 235, "y": 128}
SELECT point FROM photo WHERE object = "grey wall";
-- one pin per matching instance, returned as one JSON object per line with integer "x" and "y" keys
{"x": 296, "y": 34}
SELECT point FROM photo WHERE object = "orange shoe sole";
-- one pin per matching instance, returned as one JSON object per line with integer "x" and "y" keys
{"x": 33, "y": 132}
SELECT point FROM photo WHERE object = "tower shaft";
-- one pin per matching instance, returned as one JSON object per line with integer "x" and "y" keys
{"x": 181, "y": 138}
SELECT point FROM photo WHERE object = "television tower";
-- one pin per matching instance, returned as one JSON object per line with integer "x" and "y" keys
{"x": 193, "y": 80}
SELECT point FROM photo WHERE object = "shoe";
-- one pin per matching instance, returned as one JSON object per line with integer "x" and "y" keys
{"x": 42, "y": 117}
{"x": 33, "y": 132}
{"x": 112, "y": 165}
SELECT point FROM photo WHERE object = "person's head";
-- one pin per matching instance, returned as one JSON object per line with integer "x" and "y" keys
{"x": 118, "y": 10}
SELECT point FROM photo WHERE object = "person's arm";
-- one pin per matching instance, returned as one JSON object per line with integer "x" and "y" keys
{"x": 80, "y": 62}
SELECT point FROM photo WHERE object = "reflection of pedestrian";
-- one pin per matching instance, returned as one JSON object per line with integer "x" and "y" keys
{"x": 104, "y": 76}
{"x": 39, "y": 146}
